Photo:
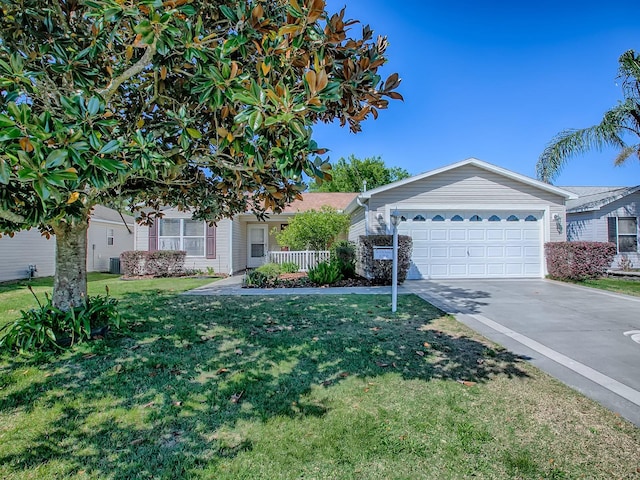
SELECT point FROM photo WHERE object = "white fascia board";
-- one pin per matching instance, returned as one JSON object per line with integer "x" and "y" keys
{"x": 480, "y": 164}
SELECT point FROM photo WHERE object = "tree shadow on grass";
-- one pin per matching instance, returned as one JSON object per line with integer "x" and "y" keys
{"x": 163, "y": 398}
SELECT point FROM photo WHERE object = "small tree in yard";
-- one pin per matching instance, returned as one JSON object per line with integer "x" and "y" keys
{"x": 314, "y": 229}
{"x": 189, "y": 103}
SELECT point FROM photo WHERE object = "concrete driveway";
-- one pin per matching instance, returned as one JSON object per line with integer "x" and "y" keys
{"x": 573, "y": 333}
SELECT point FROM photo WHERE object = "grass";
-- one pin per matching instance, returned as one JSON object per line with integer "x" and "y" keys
{"x": 628, "y": 287}
{"x": 15, "y": 296}
{"x": 318, "y": 387}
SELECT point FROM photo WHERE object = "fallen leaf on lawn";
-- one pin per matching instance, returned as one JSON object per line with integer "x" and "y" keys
{"x": 344, "y": 374}
{"x": 427, "y": 345}
{"x": 48, "y": 375}
{"x": 89, "y": 355}
{"x": 235, "y": 398}
{"x": 238, "y": 351}
{"x": 315, "y": 339}
{"x": 479, "y": 361}
{"x": 177, "y": 404}
{"x": 157, "y": 366}
{"x": 366, "y": 390}
{"x": 117, "y": 368}
{"x": 150, "y": 404}
{"x": 222, "y": 370}
{"x": 394, "y": 365}
{"x": 370, "y": 383}
{"x": 382, "y": 364}
{"x": 466, "y": 383}
{"x": 137, "y": 441}
{"x": 135, "y": 347}
{"x": 420, "y": 352}
{"x": 375, "y": 329}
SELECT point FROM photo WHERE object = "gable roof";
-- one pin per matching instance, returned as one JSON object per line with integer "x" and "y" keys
{"x": 476, "y": 163}
{"x": 316, "y": 200}
{"x": 594, "y": 198}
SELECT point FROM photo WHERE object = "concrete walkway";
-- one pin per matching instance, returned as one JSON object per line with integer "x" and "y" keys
{"x": 233, "y": 286}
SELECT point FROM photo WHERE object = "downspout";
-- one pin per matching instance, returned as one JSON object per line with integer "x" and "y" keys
{"x": 366, "y": 215}
{"x": 231, "y": 246}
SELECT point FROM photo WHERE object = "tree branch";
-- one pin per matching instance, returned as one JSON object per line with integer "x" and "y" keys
{"x": 110, "y": 90}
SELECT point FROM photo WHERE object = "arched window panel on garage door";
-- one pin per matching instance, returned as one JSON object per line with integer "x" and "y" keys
{"x": 437, "y": 218}
{"x": 494, "y": 218}
{"x": 475, "y": 218}
{"x": 531, "y": 218}
{"x": 513, "y": 218}
{"x": 419, "y": 218}
{"x": 457, "y": 218}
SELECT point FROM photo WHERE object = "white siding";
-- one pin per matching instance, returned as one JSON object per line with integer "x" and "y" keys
{"x": 24, "y": 248}
{"x": 583, "y": 227}
{"x": 239, "y": 247}
{"x": 98, "y": 250}
{"x": 357, "y": 227}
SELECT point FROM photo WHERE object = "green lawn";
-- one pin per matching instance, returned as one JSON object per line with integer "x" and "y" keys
{"x": 318, "y": 387}
{"x": 629, "y": 287}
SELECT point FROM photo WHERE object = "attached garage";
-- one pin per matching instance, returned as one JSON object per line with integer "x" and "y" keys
{"x": 493, "y": 244}
{"x": 468, "y": 220}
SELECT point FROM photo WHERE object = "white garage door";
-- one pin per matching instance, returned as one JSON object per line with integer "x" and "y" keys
{"x": 474, "y": 245}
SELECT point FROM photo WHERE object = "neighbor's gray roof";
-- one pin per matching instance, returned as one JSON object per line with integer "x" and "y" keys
{"x": 108, "y": 214}
{"x": 592, "y": 198}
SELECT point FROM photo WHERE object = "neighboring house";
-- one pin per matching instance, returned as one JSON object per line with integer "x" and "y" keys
{"x": 232, "y": 245}
{"x": 468, "y": 220}
{"x": 606, "y": 214}
{"x": 108, "y": 236}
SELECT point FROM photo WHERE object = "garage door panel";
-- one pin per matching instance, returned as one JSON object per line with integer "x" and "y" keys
{"x": 438, "y": 235}
{"x": 511, "y": 252}
{"x": 477, "y": 235}
{"x": 495, "y": 252}
{"x": 458, "y": 270}
{"x": 439, "y": 271}
{"x": 532, "y": 234}
{"x": 513, "y": 234}
{"x": 419, "y": 234}
{"x": 457, "y": 234}
{"x": 532, "y": 252}
{"x": 495, "y": 269}
{"x": 475, "y": 252}
{"x": 495, "y": 234}
{"x": 458, "y": 252}
{"x": 438, "y": 252}
{"x": 514, "y": 269}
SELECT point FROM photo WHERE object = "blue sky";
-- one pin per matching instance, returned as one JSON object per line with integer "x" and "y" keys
{"x": 495, "y": 81}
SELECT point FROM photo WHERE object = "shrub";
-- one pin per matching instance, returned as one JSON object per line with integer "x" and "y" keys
{"x": 133, "y": 263}
{"x": 325, "y": 273}
{"x": 270, "y": 270}
{"x": 380, "y": 271}
{"x": 48, "y": 328}
{"x": 289, "y": 267}
{"x": 161, "y": 263}
{"x": 578, "y": 260}
{"x": 343, "y": 253}
{"x": 256, "y": 279}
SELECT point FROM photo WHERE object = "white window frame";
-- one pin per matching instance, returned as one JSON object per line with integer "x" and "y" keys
{"x": 618, "y": 234}
{"x": 182, "y": 236}
{"x": 110, "y": 237}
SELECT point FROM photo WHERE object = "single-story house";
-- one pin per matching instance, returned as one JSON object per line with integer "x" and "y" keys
{"x": 606, "y": 214}
{"x": 233, "y": 245}
{"x": 108, "y": 236}
{"x": 467, "y": 220}
{"x": 470, "y": 219}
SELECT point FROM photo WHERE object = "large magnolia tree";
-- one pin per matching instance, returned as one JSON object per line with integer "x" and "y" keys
{"x": 619, "y": 128}
{"x": 201, "y": 104}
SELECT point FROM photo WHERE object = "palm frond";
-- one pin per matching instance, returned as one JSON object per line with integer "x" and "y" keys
{"x": 624, "y": 155}
{"x": 570, "y": 143}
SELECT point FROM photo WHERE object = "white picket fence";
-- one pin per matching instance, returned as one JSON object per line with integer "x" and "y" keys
{"x": 306, "y": 259}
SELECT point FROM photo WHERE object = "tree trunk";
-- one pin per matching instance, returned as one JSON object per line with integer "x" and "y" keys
{"x": 70, "y": 281}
